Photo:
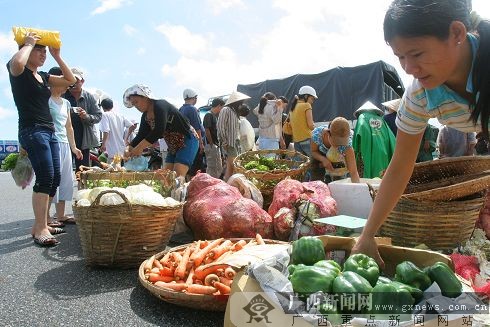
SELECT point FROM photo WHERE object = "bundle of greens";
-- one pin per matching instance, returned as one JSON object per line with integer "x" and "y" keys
{"x": 9, "y": 162}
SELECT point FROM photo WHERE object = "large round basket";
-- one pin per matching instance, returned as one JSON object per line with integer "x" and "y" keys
{"x": 297, "y": 164}
{"x": 439, "y": 225}
{"x": 120, "y": 236}
{"x": 194, "y": 301}
{"x": 449, "y": 179}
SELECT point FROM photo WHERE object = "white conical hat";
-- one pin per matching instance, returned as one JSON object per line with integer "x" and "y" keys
{"x": 368, "y": 106}
{"x": 392, "y": 104}
{"x": 235, "y": 97}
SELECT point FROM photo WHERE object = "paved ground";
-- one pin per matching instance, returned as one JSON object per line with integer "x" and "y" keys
{"x": 53, "y": 287}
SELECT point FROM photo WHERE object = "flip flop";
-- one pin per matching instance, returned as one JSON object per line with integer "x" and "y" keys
{"x": 56, "y": 230}
{"x": 46, "y": 241}
{"x": 67, "y": 221}
{"x": 55, "y": 223}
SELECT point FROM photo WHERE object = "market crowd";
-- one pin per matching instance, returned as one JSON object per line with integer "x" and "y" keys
{"x": 61, "y": 123}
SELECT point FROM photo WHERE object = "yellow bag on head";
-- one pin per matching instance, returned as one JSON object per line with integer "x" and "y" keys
{"x": 48, "y": 38}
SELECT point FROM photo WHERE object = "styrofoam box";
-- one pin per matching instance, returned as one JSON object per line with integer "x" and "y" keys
{"x": 353, "y": 199}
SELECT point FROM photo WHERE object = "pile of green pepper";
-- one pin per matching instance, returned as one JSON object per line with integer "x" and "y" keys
{"x": 310, "y": 273}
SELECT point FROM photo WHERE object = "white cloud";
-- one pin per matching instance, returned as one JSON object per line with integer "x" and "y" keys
{"x": 218, "y": 6}
{"x": 129, "y": 30}
{"x": 331, "y": 34}
{"x": 141, "y": 51}
{"x": 182, "y": 40}
{"x": 106, "y": 5}
{"x": 6, "y": 113}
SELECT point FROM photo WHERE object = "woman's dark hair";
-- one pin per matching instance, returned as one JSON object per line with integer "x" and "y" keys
{"x": 263, "y": 101}
{"x": 414, "y": 18}
{"x": 243, "y": 110}
{"x": 303, "y": 97}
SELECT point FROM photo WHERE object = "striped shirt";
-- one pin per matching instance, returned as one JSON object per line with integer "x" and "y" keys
{"x": 228, "y": 127}
{"x": 418, "y": 105}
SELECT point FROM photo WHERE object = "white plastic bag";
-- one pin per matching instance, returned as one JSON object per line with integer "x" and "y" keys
{"x": 139, "y": 163}
{"x": 22, "y": 172}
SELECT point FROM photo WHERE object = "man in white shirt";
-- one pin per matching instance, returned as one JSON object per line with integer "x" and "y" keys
{"x": 112, "y": 127}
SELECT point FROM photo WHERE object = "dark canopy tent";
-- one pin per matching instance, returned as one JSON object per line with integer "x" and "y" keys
{"x": 340, "y": 91}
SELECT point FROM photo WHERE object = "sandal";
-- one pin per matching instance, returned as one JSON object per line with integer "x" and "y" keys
{"x": 56, "y": 230}
{"x": 46, "y": 241}
{"x": 55, "y": 223}
{"x": 67, "y": 221}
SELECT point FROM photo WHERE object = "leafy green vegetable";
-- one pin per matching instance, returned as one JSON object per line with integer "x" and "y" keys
{"x": 9, "y": 162}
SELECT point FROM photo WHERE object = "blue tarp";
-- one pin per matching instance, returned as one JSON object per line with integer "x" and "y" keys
{"x": 340, "y": 91}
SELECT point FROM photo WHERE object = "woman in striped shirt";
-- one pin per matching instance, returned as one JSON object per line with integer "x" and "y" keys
{"x": 447, "y": 51}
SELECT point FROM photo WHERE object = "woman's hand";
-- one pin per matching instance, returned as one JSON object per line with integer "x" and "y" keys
{"x": 55, "y": 53}
{"x": 31, "y": 39}
{"x": 282, "y": 144}
{"x": 327, "y": 164}
{"x": 135, "y": 152}
{"x": 367, "y": 245}
{"x": 78, "y": 154}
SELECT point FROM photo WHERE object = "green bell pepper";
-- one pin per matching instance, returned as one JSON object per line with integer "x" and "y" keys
{"x": 307, "y": 279}
{"x": 292, "y": 268}
{"x": 364, "y": 266}
{"x": 383, "y": 280}
{"x": 408, "y": 273}
{"x": 389, "y": 299}
{"x": 330, "y": 264}
{"x": 449, "y": 284}
{"x": 352, "y": 284}
{"x": 307, "y": 250}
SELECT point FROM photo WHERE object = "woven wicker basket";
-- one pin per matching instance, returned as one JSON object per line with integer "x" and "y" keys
{"x": 265, "y": 181}
{"x": 194, "y": 301}
{"x": 449, "y": 179}
{"x": 122, "y": 235}
{"x": 439, "y": 225}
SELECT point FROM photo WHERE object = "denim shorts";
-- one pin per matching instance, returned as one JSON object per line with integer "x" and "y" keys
{"x": 187, "y": 154}
{"x": 44, "y": 153}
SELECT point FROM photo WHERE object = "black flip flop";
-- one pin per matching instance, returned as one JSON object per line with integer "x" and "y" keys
{"x": 46, "y": 241}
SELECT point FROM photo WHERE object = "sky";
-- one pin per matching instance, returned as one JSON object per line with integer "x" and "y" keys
{"x": 208, "y": 45}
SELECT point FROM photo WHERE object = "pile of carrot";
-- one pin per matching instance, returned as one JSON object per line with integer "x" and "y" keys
{"x": 196, "y": 269}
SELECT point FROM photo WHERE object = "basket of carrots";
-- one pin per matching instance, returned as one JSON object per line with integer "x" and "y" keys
{"x": 196, "y": 275}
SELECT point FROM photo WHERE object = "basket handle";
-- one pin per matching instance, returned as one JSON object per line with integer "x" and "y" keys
{"x": 372, "y": 191}
{"x": 123, "y": 197}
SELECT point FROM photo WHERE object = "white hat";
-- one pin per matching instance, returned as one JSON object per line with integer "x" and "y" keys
{"x": 368, "y": 106}
{"x": 308, "y": 90}
{"x": 235, "y": 97}
{"x": 392, "y": 104}
{"x": 189, "y": 94}
{"x": 78, "y": 73}
{"x": 137, "y": 89}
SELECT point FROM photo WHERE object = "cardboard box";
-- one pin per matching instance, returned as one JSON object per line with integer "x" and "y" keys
{"x": 246, "y": 292}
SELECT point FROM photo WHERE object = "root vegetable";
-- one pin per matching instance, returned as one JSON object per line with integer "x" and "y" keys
{"x": 181, "y": 268}
{"x": 230, "y": 273}
{"x": 222, "y": 288}
{"x": 200, "y": 289}
{"x": 210, "y": 279}
{"x": 202, "y": 271}
{"x": 172, "y": 286}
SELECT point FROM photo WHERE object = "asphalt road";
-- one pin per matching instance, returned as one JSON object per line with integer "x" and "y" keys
{"x": 53, "y": 287}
